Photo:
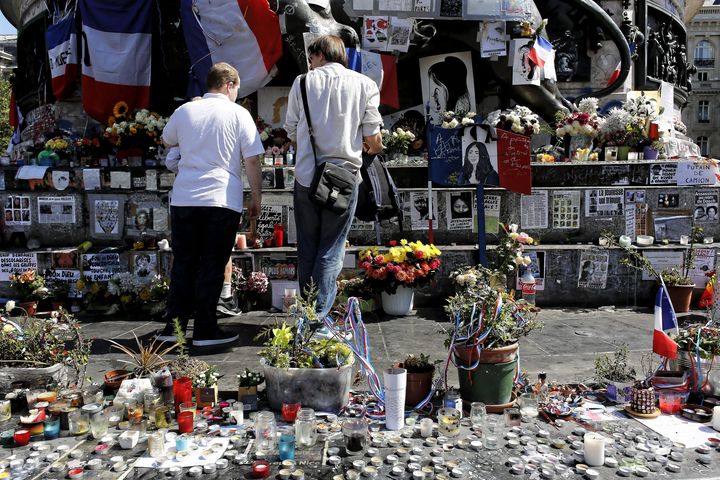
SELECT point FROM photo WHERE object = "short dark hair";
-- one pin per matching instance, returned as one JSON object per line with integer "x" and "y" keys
{"x": 220, "y": 74}
{"x": 332, "y": 47}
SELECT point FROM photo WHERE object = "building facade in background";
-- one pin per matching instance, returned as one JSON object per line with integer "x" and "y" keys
{"x": 702, "y": 115}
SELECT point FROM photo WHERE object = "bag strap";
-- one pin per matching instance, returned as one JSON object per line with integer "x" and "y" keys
{"x": 303, "y": 91}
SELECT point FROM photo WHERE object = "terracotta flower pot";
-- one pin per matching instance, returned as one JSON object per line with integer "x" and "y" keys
{"x": 680, "y": 296}
{"x": 418, "y": 385}
{"x": 114, "y": 378}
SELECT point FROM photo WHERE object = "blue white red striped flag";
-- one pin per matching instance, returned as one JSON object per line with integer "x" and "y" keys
{"x": 117, "y": 45}
{"x": 381, "y": 69}
{"x": 541, "y": 52}
{"x": 63, "y": 56}
{"x": 665, "y": 319}
{"x": 244, "y": 33}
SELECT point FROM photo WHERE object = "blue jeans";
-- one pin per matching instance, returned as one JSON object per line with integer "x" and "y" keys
{"x": 202, "y": 240}
{"x": 321, "y": 236}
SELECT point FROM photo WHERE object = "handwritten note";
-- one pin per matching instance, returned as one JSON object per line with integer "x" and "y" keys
{"x": 514, "y": 162}
{"x": 695, "y": 173}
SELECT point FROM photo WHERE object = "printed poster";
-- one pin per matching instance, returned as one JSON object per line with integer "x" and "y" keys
{"x": 100, "y": 267}
{"x": 695, "y": 173}
{"x": 16, "y": 263}
{"x": 17, "y": 210}
{"x": 447, "y": 77}
{"x": 375, "y": 33}
{"x": 107, "y": 215}
{"x": 534, "y": 210}
{"x": 483, "y": 8}
{"x": 593, "y": 269}
{"x": 703, "y": 263}
{"x": 420, "y": 211}
{"x": 56, "y": 209}
{"x": 492, "y": 39}
{"x": 400, "y": 33}
{"x": 662, "y": 260}
{"x": 663, "y": 173}
{"x": 459, "y": 210}
{"x": 706, "y": 207}
{"x": 524, "y": 70}
{"x": 566, "y": 209}
{"x": 144, "y": 266}
{"x": 607, "y": 202}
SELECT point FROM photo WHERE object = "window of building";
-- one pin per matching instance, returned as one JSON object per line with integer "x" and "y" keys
{"x": 704, "y": 54}
{"x": 704, "y": 111}
{"x": 704, "y": 145}
{"x": 702, "y": 76}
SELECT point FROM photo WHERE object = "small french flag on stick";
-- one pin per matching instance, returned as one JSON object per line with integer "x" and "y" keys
{"x": 541, "y": 52}
{"x": 615, "y": 74}
{"x": 665, "y": 319}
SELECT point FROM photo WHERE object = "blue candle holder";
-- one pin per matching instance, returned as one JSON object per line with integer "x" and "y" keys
{"x": 181, "y": 443}
{"x": 286, "y": 447}
{"x": 51, "y": 428}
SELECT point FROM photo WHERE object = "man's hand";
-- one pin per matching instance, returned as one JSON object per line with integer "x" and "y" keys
{"x": 254, "y": 208}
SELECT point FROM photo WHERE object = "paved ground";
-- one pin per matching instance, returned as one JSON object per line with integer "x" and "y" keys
{"x": 565, "y": 348}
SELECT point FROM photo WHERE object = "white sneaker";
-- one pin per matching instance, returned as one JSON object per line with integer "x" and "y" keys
{"x": 325, "y": 334}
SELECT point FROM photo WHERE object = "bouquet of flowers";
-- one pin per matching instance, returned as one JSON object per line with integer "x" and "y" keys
{"x": 141, "y": 129}
{"x": 248, "y": 288}
{"x": 397, "y": 141}
{"x": 404, "y": 264}
{"x": 519, "y": 119}
{"x": 207, "y": 378}
{"x": 509, "y": 252}
{"x": 583, "y": 122}
{"x": 250, "y": 379}
{"x": 29, "y": 285}
{"x": 58, "y": 144}
{"x": 451, "y": 119}
{"x": 613, "y": 131}
{"x": 124, "y": 291}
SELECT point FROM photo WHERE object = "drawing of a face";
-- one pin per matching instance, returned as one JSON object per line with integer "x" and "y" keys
{"x": 459, "y": 206}
{"x": 438, "y": 94}
{"x": 473, "y": 155}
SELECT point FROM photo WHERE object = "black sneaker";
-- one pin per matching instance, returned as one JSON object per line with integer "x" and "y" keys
{"x": 221, "y": 338}
{"x": 167, "y": 334}
{"x": 227, "y": 307}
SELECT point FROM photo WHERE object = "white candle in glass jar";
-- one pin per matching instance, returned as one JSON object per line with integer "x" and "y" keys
{"x": 716, "y": 418}
{"x": 594, "y": 445}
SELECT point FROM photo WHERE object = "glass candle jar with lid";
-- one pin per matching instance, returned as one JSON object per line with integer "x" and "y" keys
{"x": 265, "y": 432}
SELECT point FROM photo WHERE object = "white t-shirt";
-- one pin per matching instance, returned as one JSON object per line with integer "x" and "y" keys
{"x": 343, "y": 108}
{"x": 214, "y": 135}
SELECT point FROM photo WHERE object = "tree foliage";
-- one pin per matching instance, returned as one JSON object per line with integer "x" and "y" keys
{"x": 6, "y": 130}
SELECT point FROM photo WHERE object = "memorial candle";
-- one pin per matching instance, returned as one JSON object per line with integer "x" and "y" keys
{"x": 594, "y": 449}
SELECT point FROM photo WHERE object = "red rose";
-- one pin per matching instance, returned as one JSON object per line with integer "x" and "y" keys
{"x": 419, "y": 254}
{"x": 392, "y": 243}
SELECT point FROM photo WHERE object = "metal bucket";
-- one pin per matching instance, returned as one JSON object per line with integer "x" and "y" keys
{"x": 322, "y": 389}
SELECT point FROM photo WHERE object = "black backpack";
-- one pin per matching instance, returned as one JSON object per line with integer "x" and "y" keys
{"x": 378, "y": 197}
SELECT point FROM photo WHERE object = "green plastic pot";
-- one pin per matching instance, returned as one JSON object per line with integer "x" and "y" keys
{"x": 490, "y": 383}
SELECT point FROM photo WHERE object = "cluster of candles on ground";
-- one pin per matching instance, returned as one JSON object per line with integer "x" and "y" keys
{"x": 423, "y": 448}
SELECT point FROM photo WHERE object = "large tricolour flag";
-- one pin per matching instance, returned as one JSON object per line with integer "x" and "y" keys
{"x": 382, "y": 69}
{"x": 116, "y": 58}
{"x": 244, "y": 33}
{"x": 63, "y": 56}
{"x": 664, "y": 320}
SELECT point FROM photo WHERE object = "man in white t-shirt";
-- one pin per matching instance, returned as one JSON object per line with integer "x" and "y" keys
{"x": 343, "y": 108}
{"x": 215, "y": 136}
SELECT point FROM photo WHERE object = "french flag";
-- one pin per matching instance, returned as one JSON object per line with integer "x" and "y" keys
{"x": 541, "y": 52}
{"x": 117, "y": 41}
{"x": 382, "y": 69}
{"x": 244, "y": 33}
{"x": 615, "y": 74}
{"x": 63, "y": 56}
{"x": 664, "y": 320}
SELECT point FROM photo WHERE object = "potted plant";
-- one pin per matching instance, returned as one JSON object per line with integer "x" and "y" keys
{"x": 301, "y": 368}
{"x": 145, "y": 360}
{"x": 395, "y": 271}
{"x": 248, "y": 382}
{"x": 30, "y": 287}
{"x": 579, "y": 129}
{"x": 615, "y": 372}
{"x": 419, "y": 378}
{"x": 37, "y": 352}
{"x": 486, "y": 357}
{"x": 206, "y": 387}
{"x": 676, "y": 280}
{"x": 699, "y": 346}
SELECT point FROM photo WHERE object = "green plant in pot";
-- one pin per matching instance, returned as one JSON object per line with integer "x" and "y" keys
{"x": 616, "y": 373}
{"x": 419, "y": 378}
{"x": 676, "y": 279}
{"x": 484, "y": 339}
{"x": 300, "y": 367}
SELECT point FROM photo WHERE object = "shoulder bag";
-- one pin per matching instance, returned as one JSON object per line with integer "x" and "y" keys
{"x": 332, "y": 186}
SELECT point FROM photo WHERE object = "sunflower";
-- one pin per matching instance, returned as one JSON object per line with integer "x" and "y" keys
{"x": 120, "y": 109}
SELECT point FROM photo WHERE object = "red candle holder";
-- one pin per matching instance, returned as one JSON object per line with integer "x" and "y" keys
{"x": 185, "y": 422}
{"x": 182, "y": 390}
{"x": 22, "y": 437}
{"x": 289, "y": 411}
{"x": 260, "y": 469}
